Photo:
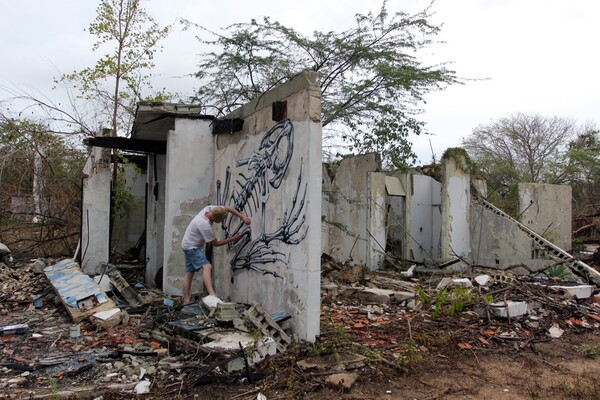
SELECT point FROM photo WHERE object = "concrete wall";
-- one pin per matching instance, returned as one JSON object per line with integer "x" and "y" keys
{"x": 272, "y": 173}
{"x": 348, "y": 198}
{"x": 546, "y": 209}
{"x": 456, "y": 209}
{"x": 95, "y": 211}
{"x": 155, "y": 217}
{"x": 425, "y": 219}
{"x": 189, "y": 177}
{"x": 399, "y": 213}
{"x": 498, "y": 242}
{"x": 377, "y": 232}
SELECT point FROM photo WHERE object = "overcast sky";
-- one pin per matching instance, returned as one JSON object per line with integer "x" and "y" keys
{"x": 541, "y": 56}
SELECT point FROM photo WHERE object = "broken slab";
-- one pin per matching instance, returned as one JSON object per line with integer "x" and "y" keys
{"x": 338, "y": 362}
{"x": 369, "y": 295}
{"x": 343, "y": 381}
{"x": 256, "y": 349}
{"x": 578, "y": 291}
{"x": 81, "y": 296}
{"x": 452, "y": 283}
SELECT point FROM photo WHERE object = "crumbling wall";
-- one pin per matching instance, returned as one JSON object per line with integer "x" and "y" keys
{"x": 546, "y": 209}
{"x": 95, "y": 211}
{"x": 498, "y": 241}
{"x": 456, "y": 208}
{"x": 271, "y": 172}
{"x": 354, "y": 215}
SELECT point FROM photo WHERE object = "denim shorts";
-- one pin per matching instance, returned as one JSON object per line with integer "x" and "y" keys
{"x": 195, "y": 259}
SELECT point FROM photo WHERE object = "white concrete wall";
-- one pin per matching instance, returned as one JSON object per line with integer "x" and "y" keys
{"x": 425, "y": 219}
{"x": 95, "y": 215}
{"x": 377, "y": 232}
{"x": 546, "y": 209}
{"x": 272, "y": 173}
{"x": 189, "y": 176}
{"x": 348, "y": 198}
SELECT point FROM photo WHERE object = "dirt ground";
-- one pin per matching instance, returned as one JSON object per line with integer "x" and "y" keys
{"x": 555, "y": 369}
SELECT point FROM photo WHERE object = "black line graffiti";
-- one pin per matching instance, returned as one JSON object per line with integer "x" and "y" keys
{"x": 265, "y": 172}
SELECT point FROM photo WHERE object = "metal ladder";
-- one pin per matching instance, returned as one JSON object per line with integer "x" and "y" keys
{"x": 555, "y": 253}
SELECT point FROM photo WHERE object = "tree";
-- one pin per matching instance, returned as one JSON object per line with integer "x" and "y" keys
{"x": 120, "y": 76}
{"x": 584, "y": 177}
{"x": 521, "y": 148}
{"x": 40, "y": 175}
{"x": 370, "y": 77}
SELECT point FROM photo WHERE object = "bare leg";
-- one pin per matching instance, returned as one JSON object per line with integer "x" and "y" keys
{"x": 187, "y": 287}
{"x": 207, "y": 279}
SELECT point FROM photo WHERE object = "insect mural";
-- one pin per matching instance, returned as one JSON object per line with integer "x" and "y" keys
{"x": 260, "y": 175}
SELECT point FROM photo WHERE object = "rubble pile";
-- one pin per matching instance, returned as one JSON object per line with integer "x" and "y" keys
{"x": 147, "y": 343}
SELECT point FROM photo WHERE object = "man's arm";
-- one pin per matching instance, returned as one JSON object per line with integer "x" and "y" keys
{"x": 219, "y": 243}
{"x": 237, "y": 214}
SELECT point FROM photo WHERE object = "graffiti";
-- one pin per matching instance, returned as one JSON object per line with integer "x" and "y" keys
{"x": 264, "y": 173}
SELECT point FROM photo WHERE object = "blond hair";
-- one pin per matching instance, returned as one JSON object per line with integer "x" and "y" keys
{"x": 218, "y": 214}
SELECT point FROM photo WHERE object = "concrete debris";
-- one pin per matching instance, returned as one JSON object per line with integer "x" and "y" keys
{"x": 509, "y": 309}
{"x": 343, "y": 381}
{"x": 452, "y": 283}
{"x": 483, "y": 280}
{"x": 577, "y": 291}
{"x": 146, "y": 342}
{"x": 555, "y": 331}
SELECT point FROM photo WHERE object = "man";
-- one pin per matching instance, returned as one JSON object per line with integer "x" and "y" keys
{"x": 198, "y": 233}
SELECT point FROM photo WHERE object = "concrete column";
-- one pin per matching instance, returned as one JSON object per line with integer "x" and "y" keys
{"x": 456, "y": 206}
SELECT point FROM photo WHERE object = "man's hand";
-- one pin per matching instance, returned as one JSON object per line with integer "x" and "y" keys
{"x": 246, "y": 220}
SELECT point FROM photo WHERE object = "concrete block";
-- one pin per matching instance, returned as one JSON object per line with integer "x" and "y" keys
{"x": 483, "y": 280}
{"x": 226, "y": 312}
{"x": 107, "y": 319}
{"x": 511, "y": 308}
{"x": 579, "y": 291}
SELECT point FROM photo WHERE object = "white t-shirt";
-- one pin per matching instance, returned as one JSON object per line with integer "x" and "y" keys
{"x": 199, "y": 231}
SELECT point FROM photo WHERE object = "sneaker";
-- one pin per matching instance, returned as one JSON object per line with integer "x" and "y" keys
{"x": 211, "y": 301}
